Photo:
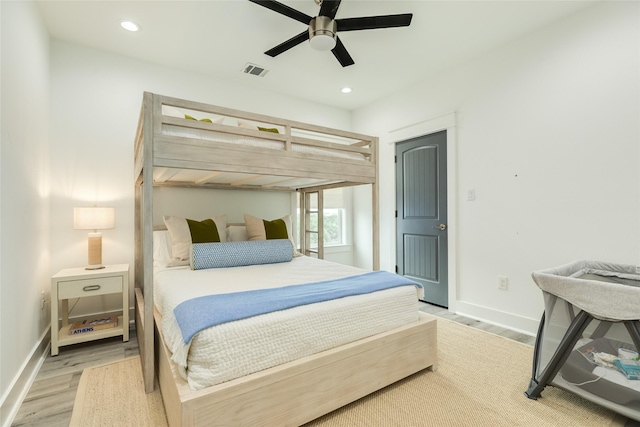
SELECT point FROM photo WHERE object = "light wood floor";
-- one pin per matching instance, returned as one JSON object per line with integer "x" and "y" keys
{"x": 49, "y": 402}
{"x": 444, "y": 313}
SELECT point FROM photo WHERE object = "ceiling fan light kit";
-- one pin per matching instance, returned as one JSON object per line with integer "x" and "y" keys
{"x": 322, "y": 33}
{"x": 323, "y": 29}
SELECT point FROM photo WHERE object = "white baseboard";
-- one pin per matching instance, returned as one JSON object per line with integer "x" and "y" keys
{"x": 511, "y": 321}
{"x": 19, "y": 388}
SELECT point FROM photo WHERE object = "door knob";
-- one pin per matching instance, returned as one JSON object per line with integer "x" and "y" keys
{"x": 441, "y": 227}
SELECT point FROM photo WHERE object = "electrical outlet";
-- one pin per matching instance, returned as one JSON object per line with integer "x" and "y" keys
{"x": 503, "y": 283}
{"x": 42, "y": 300}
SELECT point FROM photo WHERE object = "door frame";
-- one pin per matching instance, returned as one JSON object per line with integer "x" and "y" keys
{"x": 427, "y": 126}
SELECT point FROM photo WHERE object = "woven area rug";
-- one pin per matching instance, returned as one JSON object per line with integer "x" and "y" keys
{"x": 480, "y": 381}
{"x": 113, "y": 395}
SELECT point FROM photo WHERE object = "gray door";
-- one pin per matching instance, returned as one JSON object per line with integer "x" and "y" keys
{"x": 421, "y": 214}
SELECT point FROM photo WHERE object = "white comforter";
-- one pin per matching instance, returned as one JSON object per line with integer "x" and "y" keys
{"x": 235, "y": 349}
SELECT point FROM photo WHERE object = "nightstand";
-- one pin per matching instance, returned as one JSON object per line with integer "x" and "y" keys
{"x": 80, "y": 283}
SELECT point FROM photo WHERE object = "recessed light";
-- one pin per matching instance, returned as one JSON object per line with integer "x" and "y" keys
{"x": 129, "y": 25}
{"x": 345, "y": 90}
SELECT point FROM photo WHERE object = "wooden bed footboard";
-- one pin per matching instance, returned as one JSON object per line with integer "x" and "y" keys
{"x": 300, "y": 391}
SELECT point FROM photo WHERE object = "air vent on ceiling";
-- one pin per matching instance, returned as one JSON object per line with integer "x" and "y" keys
{"x": 254, "y": 69}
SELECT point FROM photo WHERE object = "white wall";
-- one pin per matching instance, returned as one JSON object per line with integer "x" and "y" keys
{"x": 24, "y": 195}
{"x": 548, "y": 136}
{"x": 202, "y": 203}
{"x": 362, "y": 226}
{"x": 95, "y": 105}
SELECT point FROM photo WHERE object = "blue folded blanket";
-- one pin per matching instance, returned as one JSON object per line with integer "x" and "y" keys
{"x": 197, "y": 314}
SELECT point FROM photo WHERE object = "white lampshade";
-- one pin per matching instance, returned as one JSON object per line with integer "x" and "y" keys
{"x": 94, "y": 218}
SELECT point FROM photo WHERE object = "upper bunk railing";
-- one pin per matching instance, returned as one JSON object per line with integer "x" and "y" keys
{"x": 234, "y": 130}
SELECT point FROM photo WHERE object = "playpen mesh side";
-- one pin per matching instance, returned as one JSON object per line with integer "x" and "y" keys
{"x": 580, "y": 369}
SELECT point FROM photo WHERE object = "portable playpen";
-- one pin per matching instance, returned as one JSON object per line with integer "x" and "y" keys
{"x": 589, "y": 335}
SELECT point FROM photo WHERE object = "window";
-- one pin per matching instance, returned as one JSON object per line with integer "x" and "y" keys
{"x": 335, "y": 219}
{"x": 334, "y": 227}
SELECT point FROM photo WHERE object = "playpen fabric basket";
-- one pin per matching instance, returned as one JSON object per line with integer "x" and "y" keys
{"x": 591, "y": 318}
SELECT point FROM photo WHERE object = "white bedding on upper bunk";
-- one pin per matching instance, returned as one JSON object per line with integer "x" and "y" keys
{"x": 256, "y": 142}
{"x": 231, "y": 350}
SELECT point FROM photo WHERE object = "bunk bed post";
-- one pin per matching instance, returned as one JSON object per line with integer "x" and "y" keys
{"x": 144, "y": 237}
{"x": 375, "y": 207}
{"x": 302, "y": 199}
{"x": 320, "y": 224}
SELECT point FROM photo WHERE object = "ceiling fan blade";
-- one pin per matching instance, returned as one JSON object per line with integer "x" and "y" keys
{"x": 341, "y": 54}
{"x": 293, "y": 41}
{"x": 373, "y": 22}
{"x": 284, "y": 10}
{"x": 329, "y": 8}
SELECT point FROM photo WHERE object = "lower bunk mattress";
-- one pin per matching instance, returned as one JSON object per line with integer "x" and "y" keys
{"x": 234, "y": 349}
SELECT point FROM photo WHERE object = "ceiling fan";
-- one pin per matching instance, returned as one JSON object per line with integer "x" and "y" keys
{"x": 323, "y": 29}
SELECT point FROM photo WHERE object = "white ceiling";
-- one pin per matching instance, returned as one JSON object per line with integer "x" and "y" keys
{"x": 219, "y": 37}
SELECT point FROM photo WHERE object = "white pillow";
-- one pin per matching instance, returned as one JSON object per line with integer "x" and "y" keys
{"x": 246, "y": 125}
{"x": 161, "y": 248}
{"x": 172, "y": 111}
{"x": 237, "y": 233}
{"x": 181, "y": 235}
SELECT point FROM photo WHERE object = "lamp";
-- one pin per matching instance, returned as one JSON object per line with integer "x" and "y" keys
{"x": 94, "y": 218}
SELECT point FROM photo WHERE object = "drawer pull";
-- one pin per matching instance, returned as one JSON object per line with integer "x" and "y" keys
{"x": 91, "y": 288}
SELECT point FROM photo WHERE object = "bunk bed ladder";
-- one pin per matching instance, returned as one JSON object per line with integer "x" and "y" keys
{"x": 311, "y": 223}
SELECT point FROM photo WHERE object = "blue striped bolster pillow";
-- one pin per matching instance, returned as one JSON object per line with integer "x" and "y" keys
{"x": 237, "y": 254}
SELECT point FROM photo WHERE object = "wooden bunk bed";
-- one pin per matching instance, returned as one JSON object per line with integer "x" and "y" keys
{"x": 172, "y": 151}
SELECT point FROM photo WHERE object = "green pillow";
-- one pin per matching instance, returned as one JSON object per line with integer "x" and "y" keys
{"x": 272, "y": 130}
{"x": 188, "y": 117}
{"x": 276, "y": 229}
{"x": 203, "y": 231}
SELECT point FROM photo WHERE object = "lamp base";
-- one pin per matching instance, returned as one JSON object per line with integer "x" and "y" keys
{"x": 95, "y": 251}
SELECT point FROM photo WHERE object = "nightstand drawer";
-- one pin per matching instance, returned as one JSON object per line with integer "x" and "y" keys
{"x": 89, "y": 287}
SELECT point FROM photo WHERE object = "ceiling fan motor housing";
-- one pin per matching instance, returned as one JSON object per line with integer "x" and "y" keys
{"x": 322, "y": 33}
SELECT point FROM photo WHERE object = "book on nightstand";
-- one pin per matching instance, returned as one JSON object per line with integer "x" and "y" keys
{"x": 90, "y": 325}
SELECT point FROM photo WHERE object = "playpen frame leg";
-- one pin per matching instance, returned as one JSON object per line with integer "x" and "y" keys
{"x": 536, "y": 348}
{"x": 573, "y": 334}
{"x": 633, "y": 327}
